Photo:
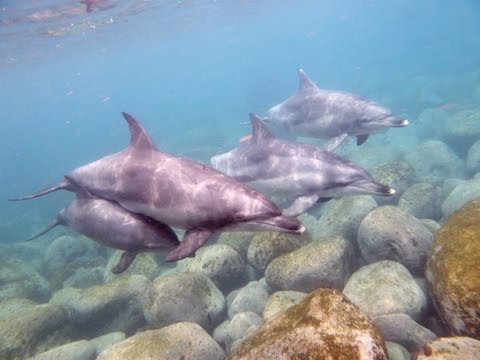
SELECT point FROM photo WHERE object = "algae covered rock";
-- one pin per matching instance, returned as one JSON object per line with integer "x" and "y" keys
{"x": 324, "y": 262}
{"x": 422, "y": 200}
{"x": 325, "y": 325}
{"x": 252, "y": 297}
{"x": 184, "y": 340}
{"x": 114, "y": 306}
{"x": 389, "y": 233}
{"x": 78, "y": 350}
{"x": 386, "y": 287}
{"x": 453, "y": 271}
{"x": 396, "y": 174}
{"x": 188, "y": 296}
{"x": 144, "y": 264}
{"x": 35, "y": 330}
{"x": 451, "y": 348}
{"x": 280, "y": 301}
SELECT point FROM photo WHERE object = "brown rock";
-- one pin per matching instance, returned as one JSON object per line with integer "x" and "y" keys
{"x": 453, "y": 348}
{"x": 453, "y": 271}
{"x": 325, "y": 325}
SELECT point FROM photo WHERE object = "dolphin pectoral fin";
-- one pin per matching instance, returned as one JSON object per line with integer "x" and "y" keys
{"x": 361, "y": 139}
{"x": 124, "y": 262}
{"x": 301, "y": 205}
{"x": 192, "y": 241}
{"x": 335, "y": 142}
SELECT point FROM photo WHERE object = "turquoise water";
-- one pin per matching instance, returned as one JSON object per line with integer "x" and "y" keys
{"x": 191, "y": 71}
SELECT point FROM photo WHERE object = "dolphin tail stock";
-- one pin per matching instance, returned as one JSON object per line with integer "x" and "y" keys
{"x": 44, "y": 231}
{"x": 64, "y": 184}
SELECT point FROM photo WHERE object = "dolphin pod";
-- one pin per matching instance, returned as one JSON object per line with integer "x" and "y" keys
{"x": 301, "y": 173}
{"x": 332, "y": 115}
{"x": 174, "y": 192}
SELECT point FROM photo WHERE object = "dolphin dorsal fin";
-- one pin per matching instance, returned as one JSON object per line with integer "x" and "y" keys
{"x": 139, "y": 139}
{"x": 304, "y": 81}
{"x": 78, "y": 189}
{"x": 260, "y": 131}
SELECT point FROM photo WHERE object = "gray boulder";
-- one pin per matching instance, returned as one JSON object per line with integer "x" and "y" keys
{"x": 397, "y": 351}
{"x": 188, "y": 296}
{"x": 402, "y": 329}
{"x": 228, "y": 332}
{"x": 252, "y": 298}
{"x": 460, "y": 195}
{"x": 84, "y": 278}
{"x": 386, "y": 287}
{"x": 461, "y": 129}
{"x": 473, "y": 158}
{"x": 220, "y": 262}
{"x": 434, "y": 161}
{"x": 78, "y": 350}
{"x": 12, "y": 307}
{"x": 324, "y": 263}
{"x": 20, "y": 280}
{"x": 102, "y": 342}
{"x": 343, "y": 217}
{"x": 114, "y": 306}
{"x": 33, "y": 331}
{"x": 240, "y": 241}
{"x": 267, "y": 246}
{"x": 184, "y": 340}
{"x": 280, "y": 301}
{"x": 389, "y": 233}
{"x": 422, "y": 200}
{"x": 67, "y": 254}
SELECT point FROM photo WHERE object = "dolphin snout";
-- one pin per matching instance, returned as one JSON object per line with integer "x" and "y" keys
{"x": 397, "y": 122}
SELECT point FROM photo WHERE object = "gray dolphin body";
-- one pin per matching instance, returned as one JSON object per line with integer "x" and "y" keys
{"x": 109, "y": 224}
{"x": 332, "y": 115}
{"x": 176, "y": 191}
{"x": 298, "y": 172}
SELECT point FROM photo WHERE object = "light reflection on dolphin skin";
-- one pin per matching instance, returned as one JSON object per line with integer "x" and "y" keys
{"x": 300, "y": 173}
{"x": 176, "y": 191}
{"x": 332, "y": 115}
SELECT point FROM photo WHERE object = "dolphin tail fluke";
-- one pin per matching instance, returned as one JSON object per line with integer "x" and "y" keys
{"x": 58, "y": 186}
{"x": 50, "y": 227}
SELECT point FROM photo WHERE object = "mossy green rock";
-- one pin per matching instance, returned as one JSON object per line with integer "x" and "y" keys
{"x": 186, "y": 341}
{"x": 453, "y": 271}
{"x": 35, "y": 330}
{"x": 325, "y": 325}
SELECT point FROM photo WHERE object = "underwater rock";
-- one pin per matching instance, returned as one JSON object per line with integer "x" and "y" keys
{"x": 20, "y": 280}
{"x": 422, "y": 200}
{"x": 396, "y": 351}
{"x": 450, "y": 184}
{"x": 252, "y": 297}
{"x": 144, "y": 264}
{"x": 386, "y": 287}
{"x": 431, "y": 225}
{"x": 453, "y": 271}
{"x": 396, "y": 174}
{"x": 281, "y": 301}
{"x": 66, "y": 254}
{"x": 11, "y": 307}
{"x": 84, "y": 278}
{"x": 434, "y": 161}
{"x": 267, "y": 246}
{"x": 426, "y": 124}
{"x": 235, "y": 329}
{"x": 220, "y": 262}
{"x": 238, "y": 240}
{"x": 473, "y": 157}
{"x": 460, "y": 195}
{"x": 102, "y": 342}
{"x": 185, "y": 296}
{"x": 324, "y": 325}
{"x": 78, "y": 350}
{"x": 36, "y": 330}
{"x": 184, "y": 340}
{"x": 451, "y": 348}
{"x": 342, "y": 217}
{"x": 324, "y": 262}
{"x": 388, "y": 233}
{"x": 100, "y": 309}
{"x": 461, "y": 129}
{"x": 402, "y": 329}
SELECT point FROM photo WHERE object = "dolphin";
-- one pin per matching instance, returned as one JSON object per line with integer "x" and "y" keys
{"x": 176, "y": 191}
{"x": 332, "y": 115}
{"x": 109, "y": 224}
{"x": 301, "y": 173}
